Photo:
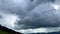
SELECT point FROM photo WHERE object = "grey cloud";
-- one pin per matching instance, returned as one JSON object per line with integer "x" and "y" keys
{"x": 18, "y": 7}
{"x": 35, "y": 3}
{"x": 1, "y": 16}
{"x": 35, "y": 14}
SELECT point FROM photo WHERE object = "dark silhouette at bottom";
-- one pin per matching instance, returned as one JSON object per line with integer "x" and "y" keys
{"x": 2, "y": 28}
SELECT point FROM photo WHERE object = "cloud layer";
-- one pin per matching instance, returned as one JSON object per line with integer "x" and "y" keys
{"x": 28, "y": 14}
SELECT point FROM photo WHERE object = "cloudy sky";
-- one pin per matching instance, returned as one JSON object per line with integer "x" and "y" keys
{"x": 30, "y": 15}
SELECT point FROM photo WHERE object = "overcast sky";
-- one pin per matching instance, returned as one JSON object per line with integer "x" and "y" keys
{"x": 29, "y": 14}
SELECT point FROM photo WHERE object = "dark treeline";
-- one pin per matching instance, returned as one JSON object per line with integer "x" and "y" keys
{"x": 2, "y": 28}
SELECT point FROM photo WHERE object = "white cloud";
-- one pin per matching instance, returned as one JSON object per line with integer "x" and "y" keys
{"x": 56, "y": 7}
{"x": 40, "y": 30}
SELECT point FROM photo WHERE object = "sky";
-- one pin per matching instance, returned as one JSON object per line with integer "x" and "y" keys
{"x": 30, "y": 14}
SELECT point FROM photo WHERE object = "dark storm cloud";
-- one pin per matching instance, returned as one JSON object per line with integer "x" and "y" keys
{"x": 32, "y": 14}
{"x": 42, "y": 15}
{"x": 38, "y": 2}
{"x": 41, "y": 18}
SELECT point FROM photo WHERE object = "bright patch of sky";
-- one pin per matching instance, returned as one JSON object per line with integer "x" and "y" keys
{"x": 8, "y": 20}
{"x": 40, "y": 30}
{"x": 56, "y": 7}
